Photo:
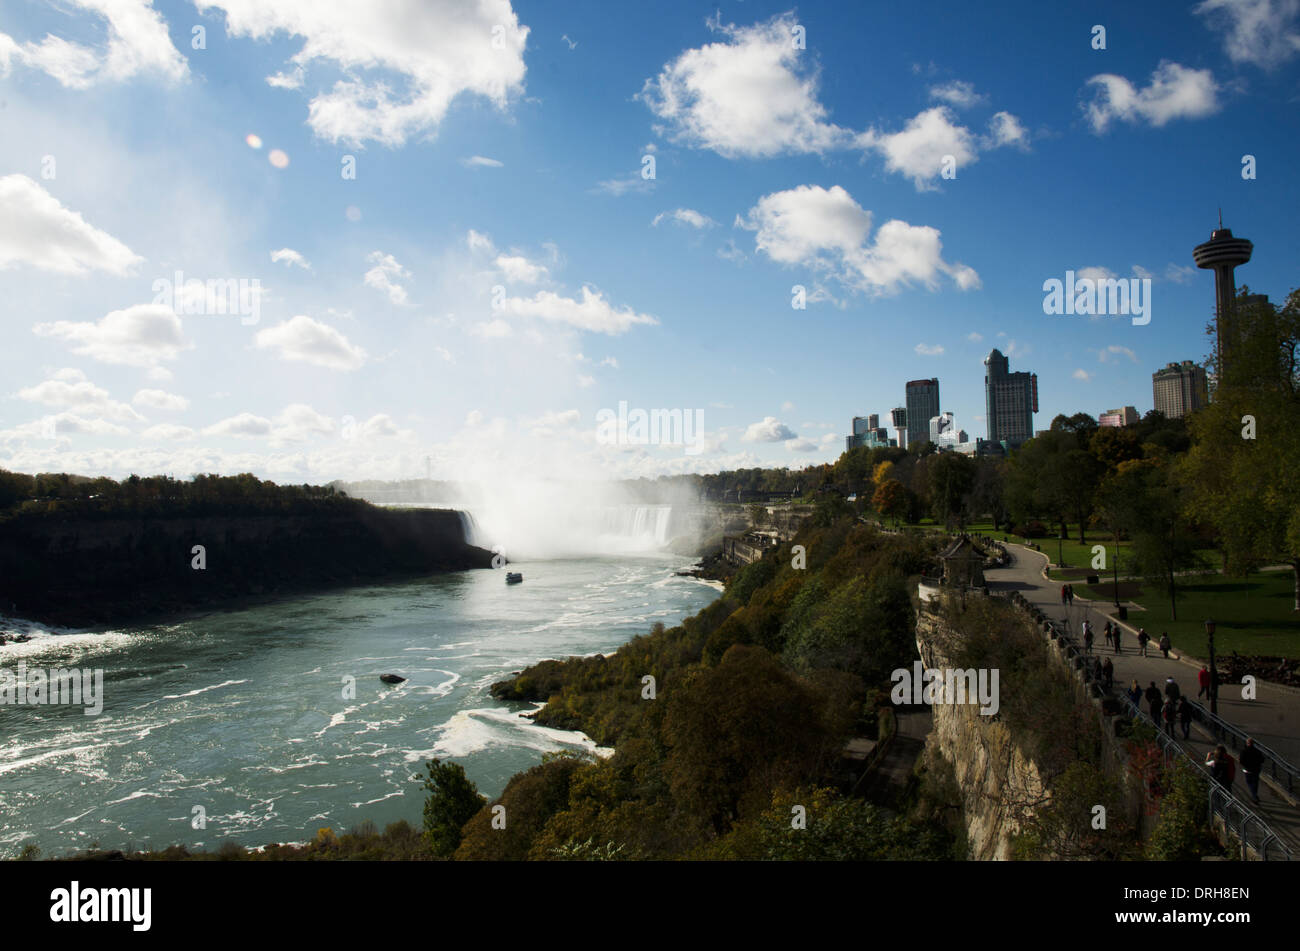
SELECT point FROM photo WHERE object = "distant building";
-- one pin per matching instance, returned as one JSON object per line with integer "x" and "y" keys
{"x": 898, "y": 416}
{"x": 922, "y": 406}
{"x": 1011, "y": 400}
{"x": 944, "y": 432}
{"x": 1126, "y": 416}
{"x": 1179, "y": 388}
{"x": 865, "y": 434}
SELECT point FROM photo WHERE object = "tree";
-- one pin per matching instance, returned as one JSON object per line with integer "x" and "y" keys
{"x": 890, "y": 500}
{"x": 1242, "y": 472}
{"x": 452, "y": 801}
{"x": 951, "y": 477}
{"x": 882, "y": 473}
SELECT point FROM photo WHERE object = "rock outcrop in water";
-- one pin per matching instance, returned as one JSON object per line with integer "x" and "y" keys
{"x": 81, "y": 571}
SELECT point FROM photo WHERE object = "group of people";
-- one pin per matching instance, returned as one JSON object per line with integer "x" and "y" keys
{"x": 1223, "y": 767}
{"x": 1165, "y": 644}
{"x": 1168, "y": 706}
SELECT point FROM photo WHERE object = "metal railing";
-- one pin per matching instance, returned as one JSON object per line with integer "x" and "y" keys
{"x": 1251, "y": 830}
{"x": 1284, "y": 772}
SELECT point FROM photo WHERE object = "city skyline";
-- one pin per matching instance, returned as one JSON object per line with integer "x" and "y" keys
{"x": 456, "y": 277}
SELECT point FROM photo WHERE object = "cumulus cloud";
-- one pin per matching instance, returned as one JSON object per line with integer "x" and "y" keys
{"x": 308, "y": 341}
{"x": 684, "y": 216}
{"x": 141, "y": 336}
{"x": 1174, "y": 92}
{"x": 160, "y": 399}
{"x": 769, "y": 429}
{"x": 36, "y": 229}
{"x": 592, "y": 312}
{"x": 136, "y": 42}
{"x": 957, "y": 93}
{"x": 1005, "y": 129}
{"x": 825, "y": 229}
{"x": 385, "y": 274}
{"x": 291, "y": 257}
{"x": 70, "y": 390}
{"x": 167, "y": 432}
{"x": 802, "y": 445}
{"x": 752, "y": 95}
{"x": 519, "y": 269}
{"x": 437, "y": 51}
{"x": 1263, "y": 32}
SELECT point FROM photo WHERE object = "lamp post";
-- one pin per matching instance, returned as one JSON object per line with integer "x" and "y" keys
{"x": 1060, "y": 538}
{"x": 1214, "y": 674}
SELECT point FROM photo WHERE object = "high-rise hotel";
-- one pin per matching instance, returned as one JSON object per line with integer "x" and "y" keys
{"x": 922, "y": 406}
{"x": 1011, "y": 400}
{"x": 1179, "y": 388}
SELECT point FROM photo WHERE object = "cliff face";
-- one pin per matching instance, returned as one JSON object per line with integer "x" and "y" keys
{"x": 80, "y": 571}
{"x": 997, "y": 780}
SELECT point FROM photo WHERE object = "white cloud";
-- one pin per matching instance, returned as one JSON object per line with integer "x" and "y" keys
{"x": 474, "y": 417}
{"x": 308, "y": 341}
{"x": 1095, "y": 273}
{"x": 769, "y": 429}
{"x": 245, "y": 425}
{"x": 438, "y": 51}
{"x": 1081, "y": 374}
{"x": 974, "y": 336}
{"x": 801, "y": 445}
{"x": 753, "y": 95}
{"x": 1174, "y": 92}
{"x": 957, "y": 93}
{"x": 480, "y": 161}
{"x": 592, "y": 312}
{"x": 36, "y": 229}
{"x": 929, "y": 350}
{"x": 519, "y": 269}
{"x": 160, "y": 399}
{"x": 291, "y": 257}
{"x": 573, "y": 44}
{"x": 141, "y": 336}
{"x": 1179, "y": 273}
{"x": 1263, "y": 32}
{"x": 297, "y": 422}
{"x": 1142, "y": 273}
{"x": 685, "y": 216}
{"x": 380, "y": 426}
{"x": 70, "y": 390}
{"x": 920, "y": 150}
{"x": 1005, "y": 129}
{"x": 1107, "y": 354}
{"x": 633, "y": 182}
{"x": 491, "y": 329}
{"x": 167, "y": 432}
{"x": 476, "y": 241}
{"x": 384, "y": 275}
{"x": 826, "y": 229}
{"x": 730, "y": 252}
{"x": 137, "y": 42}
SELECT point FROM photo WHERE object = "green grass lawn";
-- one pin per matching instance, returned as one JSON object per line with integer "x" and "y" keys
{"x": 1253, "y": 615}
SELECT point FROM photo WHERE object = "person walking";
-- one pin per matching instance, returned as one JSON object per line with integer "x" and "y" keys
{"x": 1165, "y": 644}
{"x": 1135, "y": 694}
{"x": 1251, "y": 761}
{"x": 1203, "y": 678}
{"x": 1108, "y": 673}
{"x": 1185, "y": 716}
{"x": 1116, "y": 634}
{"x": 1143, "y": 637}
{"x": 1169, "y": 713}
{"x": 1106, "y": 630}
{"x": 1222, "y": 766}
{"x": 1069, "y": 591}
{"x": 1064, "y": 595}
{"x": 1171, "y": 689}
{"x": 1154, "y": 699}
{"x": 1087, "y": 637}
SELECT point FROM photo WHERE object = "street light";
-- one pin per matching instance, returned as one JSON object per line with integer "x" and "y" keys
{"x": 1059, "y": 539}
{"x": 1214, "y": 674}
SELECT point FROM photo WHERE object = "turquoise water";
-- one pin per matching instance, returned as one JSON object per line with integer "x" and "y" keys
{"x": 244, "y": 715}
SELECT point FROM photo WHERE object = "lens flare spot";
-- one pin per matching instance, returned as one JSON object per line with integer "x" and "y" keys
{"x": 254, "y": 141}
{"x": 278, "y": 158}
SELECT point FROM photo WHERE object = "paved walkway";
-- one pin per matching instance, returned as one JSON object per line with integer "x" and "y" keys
{"x": 1273, "y": 718}
{"x": 889, "y": 779}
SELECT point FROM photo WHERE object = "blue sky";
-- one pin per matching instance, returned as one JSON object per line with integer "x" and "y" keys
{"x": 499, "y": 269}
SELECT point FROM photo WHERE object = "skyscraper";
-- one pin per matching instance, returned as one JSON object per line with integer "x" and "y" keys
{"x": 1179, "y": 388}
{"x": 1010, "y": 399}
{"x": 922, "y": 406}
{"x": 1222, "y": 254}
{"x": 898, "y": 416}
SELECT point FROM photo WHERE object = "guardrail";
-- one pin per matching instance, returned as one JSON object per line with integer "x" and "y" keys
{"x": 1281, "y": 770}
{"x": 1251, "y": 830}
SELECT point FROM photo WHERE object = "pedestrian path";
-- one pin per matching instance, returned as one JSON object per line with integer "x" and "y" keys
{"x": 1273, "y": 718}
